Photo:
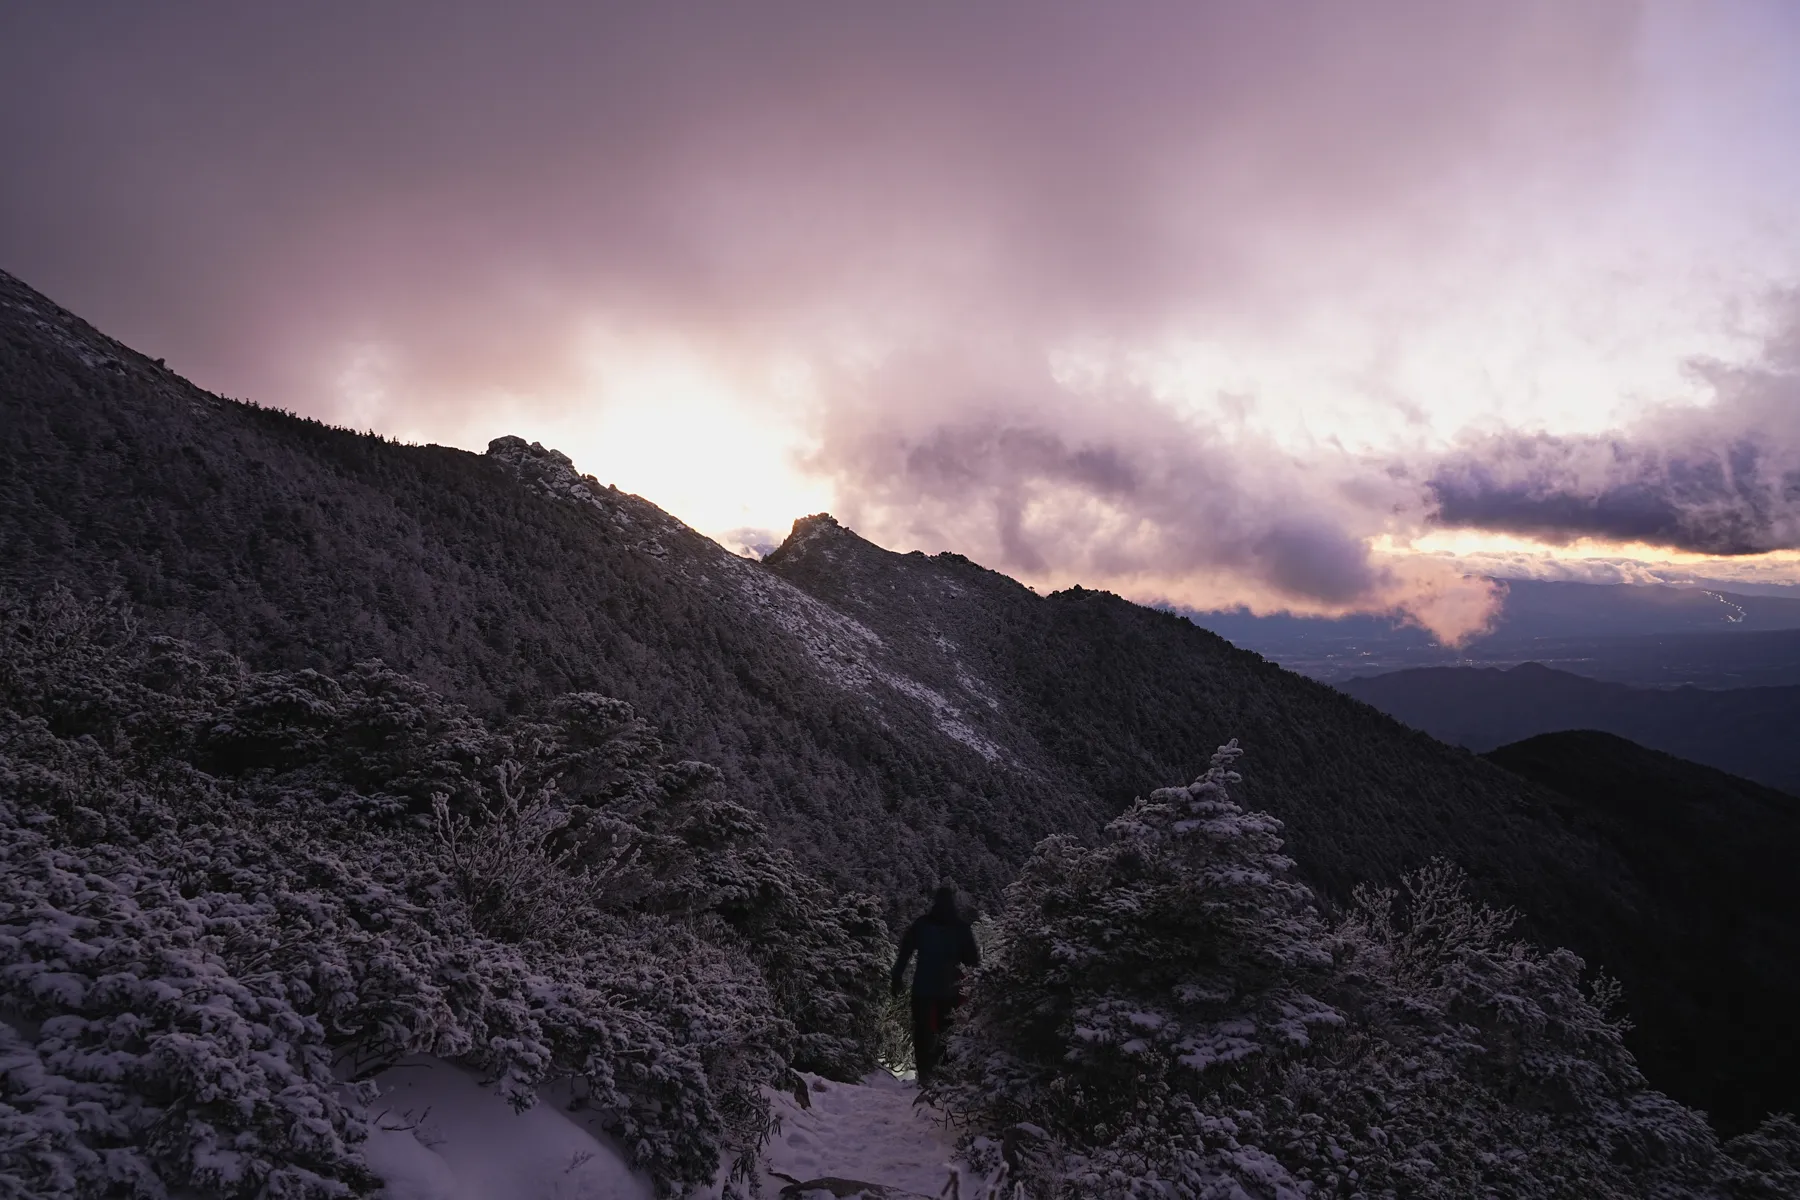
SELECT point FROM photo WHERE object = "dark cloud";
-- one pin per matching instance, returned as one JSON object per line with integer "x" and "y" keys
{"x": 243, "y": 187}
{"x": 1721, "y": 479}
{"x": 1748, "y": 576}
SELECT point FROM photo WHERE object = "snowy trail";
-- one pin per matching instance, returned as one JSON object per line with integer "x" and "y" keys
{"x": 439, "y": 1134}
{"x": 864, "y": 1133}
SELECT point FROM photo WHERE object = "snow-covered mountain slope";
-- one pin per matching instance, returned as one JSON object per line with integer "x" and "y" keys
{"x": 896, "y": 718}
{"x": 232, "y": 902}
{"x": 843, "y": 651}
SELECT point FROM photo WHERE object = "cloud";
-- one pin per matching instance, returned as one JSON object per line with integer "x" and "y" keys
{"x": 411, "y": 215}
{"x": 1722, "y": 478}
{"x": 1774, "y": 575}
{"x": 749, "y": 542}
{"x": 1061, "y": 484}
{"x": 246, "y": 187}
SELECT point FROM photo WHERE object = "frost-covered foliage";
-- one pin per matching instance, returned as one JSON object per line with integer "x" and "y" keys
{"x": 1175, "y": 952}
{"x": 818, "y": 679}
{"x": 1765, "y": 1163}
{"x": 226, "y": 897}
{"x": 1166, "y": 1014}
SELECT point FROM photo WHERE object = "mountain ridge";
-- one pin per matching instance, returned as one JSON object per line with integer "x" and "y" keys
{"x": 895, "y": 718}
{"x": 495, "y": 577}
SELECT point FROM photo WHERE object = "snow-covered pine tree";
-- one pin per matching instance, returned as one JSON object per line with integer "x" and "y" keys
{"x": 1133, "y": 980}
{"x": 1166, "y": 1015}
{"x": 1765, "y": 1163}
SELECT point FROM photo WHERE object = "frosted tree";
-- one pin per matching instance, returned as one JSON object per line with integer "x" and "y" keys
{"x": 1134, "y": 979}
{"x": 1476, "y": 1063}
{"x": 1764, "y": 1164}
{"x": 1166, "y": 1014}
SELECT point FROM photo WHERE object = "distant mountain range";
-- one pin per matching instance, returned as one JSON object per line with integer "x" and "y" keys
{"x": 897, "y": 719}
{"x": 1753, "y": 732}
{"x": 1629, "y": 633}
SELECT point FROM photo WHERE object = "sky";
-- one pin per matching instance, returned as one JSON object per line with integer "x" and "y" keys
{"x": 1312, "y": 307}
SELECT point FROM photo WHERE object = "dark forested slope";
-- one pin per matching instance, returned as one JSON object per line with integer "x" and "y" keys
{"x": 1717, "y": 854}
{"x": 1113, "y": 696}
{"x": 895, "y": 718}
{"x": 895, "y": 715}
{"x": 497, "y": 578}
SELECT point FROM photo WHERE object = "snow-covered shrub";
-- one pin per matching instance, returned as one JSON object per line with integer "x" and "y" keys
{"x": 516, "y": 878}
{"x": 1764, "y": 1164}
{"x": 135, "y": 1059}
{"x": 825, "y": 957}
{"x": 895, "y": 1049}
{"x": 1476, "y": 1063}
{"x": 595, "y": 796}
{"x": 697, "y": 852}
{"x": 1167, "y": 1014}
{"x": 224, "y": 894}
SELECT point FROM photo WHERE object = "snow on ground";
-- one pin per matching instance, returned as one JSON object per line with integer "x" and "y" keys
{"x": 945, "y": 715}
{"x": 439, "y": 1134}
{"x": 868, "y": 1133}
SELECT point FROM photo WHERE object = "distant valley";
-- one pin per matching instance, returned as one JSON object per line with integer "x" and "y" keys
{"x": 1752, "y": 732}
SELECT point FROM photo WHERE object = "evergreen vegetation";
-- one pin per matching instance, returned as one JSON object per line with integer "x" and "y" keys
{"x": 418, "y": 750}
{"x": 1167, "y": 1014}
{"x": 222, "y": 892}
{"x": 1717, "y": 1020}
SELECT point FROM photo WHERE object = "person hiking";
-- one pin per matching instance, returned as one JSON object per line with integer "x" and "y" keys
{"x": 944, "y": 944}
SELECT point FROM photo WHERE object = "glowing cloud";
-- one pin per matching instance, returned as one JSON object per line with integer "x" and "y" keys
{"x": 1211, "y": 302}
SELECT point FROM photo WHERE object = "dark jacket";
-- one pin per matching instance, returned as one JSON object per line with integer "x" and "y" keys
{"x": 944, "y": 943}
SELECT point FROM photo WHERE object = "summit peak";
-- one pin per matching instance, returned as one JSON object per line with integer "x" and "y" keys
{"x": 813, "y": 532}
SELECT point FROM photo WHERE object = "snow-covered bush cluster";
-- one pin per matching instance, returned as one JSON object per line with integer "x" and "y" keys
{"x": 228, "y": 897}
{"x": 1168, "y": 1014}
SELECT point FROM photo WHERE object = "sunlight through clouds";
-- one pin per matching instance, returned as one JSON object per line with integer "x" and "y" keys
{"x": 715, "y": 441}
{"x": 1252, "y": 317}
